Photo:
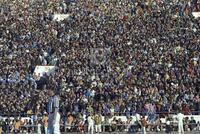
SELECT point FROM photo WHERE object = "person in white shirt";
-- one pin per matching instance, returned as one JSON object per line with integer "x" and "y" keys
{"x": 90, "y": 120}
{"x": 180, "y": 118}
{"x": 39, "y": 127}
{"x": 198, "y": 126}
{"x": 53, "y": 111}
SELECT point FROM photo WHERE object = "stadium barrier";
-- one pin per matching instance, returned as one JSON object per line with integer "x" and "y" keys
{"x": 107, "y": 123}
{"x": 110, "y": 116}
{"x": 109, "y": 128}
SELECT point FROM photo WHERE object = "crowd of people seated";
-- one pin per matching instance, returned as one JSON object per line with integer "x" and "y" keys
{"x": 111, "y": 56}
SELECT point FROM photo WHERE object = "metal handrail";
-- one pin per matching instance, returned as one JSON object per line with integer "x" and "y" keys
{"x": 162, "y": 125}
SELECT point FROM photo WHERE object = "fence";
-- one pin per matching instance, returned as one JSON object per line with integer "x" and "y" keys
{"x": 104, "y": 114}
{"x": 107, "y": 125}
{"x": 132, "y": 128}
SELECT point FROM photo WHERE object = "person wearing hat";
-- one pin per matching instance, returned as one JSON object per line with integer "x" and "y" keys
{"x": 53, "y": 113}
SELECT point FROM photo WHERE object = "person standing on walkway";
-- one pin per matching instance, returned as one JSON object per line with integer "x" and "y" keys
{"x": 90, "y": 120}
{"x": 53, "y": 113}
{"x": 45, "y": 122}
{"x": 143, "y": 125}
{"x": 98, "y": 121}
{"x": 180, "y": 118}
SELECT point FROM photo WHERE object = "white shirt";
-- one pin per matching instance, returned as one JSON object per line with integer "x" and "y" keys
{"x": 137, "y": 117}
{"x": 90, "y": 120}
{"x": 112, "y": 110}
{"x": 39, "y": 129}
{"x": 168, "y": 122}
{"x": 132, "y": 122}
{"x": 180, "y": 117}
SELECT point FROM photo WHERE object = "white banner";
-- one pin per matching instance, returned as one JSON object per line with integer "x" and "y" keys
{"x": 60, "y": 17}
{"x": 41, "y": 70}
{"x": 196, "y": 14}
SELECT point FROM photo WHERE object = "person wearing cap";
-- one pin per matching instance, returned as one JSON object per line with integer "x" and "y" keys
{"x": 53, "y": 113}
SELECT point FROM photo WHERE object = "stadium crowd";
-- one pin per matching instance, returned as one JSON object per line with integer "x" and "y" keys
{"x": 111, "y": 56}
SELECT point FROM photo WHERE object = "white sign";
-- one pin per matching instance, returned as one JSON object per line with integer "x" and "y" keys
{"x": 196, "y": 14}
{"x": 60, "y": 17}
{"x": 41, "y": 70}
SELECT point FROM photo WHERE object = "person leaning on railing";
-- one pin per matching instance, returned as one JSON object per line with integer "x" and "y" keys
{"x": 193, "y": 124}
{"x": 168, "y": 127}
{"x": 81, "y": 124}
{"x": 113, "y": 124}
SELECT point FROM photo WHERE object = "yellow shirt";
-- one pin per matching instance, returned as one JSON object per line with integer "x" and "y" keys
{"x": 45, "y": 121}
{"x": 97, "y": 119}
{"x": 29, "y": 111}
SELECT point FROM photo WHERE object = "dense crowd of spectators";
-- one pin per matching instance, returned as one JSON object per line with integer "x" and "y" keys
{"x": 111, "y": 56}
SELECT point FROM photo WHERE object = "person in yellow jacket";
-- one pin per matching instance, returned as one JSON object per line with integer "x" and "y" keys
{"x": 30, "y": 112}
{"x": 98, "y": 121}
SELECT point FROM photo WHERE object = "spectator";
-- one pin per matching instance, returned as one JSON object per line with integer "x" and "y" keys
{"x": 168, "y": 126}
{"x": 69, "y": 121}
{"x": 180, "y": 117}
{"x": 143, "y": 125}
{"x": 186, "y": 124}
{"x": 130, "y": 124}
{"x": 45, "y": 122}
{"x": 193, "y": 123}
{"x": 198, "y": 126}
{"x": 113, "y": 124}
{"x": 81, "y": 124}
{"x": 120, "y": 125}
{"x": 17, "y": 124}
{"x": 128, "y": 57}
{"x": 98, "y": 122}
{"x": 39, "y": 125}
{"x": 90, "y": 120}
{"x": 1, "y": 124}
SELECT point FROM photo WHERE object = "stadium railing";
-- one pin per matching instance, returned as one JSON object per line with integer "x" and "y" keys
{"x": 107, "y": 128}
